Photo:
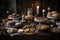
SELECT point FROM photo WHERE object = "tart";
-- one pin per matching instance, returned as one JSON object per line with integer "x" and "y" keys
{"x": 43, "y": 27}
{"x": 54, "y": 30}
{"x": 29, "y": 17}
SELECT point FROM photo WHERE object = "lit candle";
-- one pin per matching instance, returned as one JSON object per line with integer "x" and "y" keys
{"x": 48, "y": 8}
{"x": 7, "y": 12}
{"x": 43, "y": 10}
{"x": 37, "y": 9}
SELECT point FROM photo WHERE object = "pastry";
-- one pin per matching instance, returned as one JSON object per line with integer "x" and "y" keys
{"x": 10, "y": 16}
{"x": 5, "y": 20}
{"x": 49, "y": 14}
{"x": 12, "y": 30}
{"x": 29, "y": 29}
{"x": 29, "y": 17}
{"x": 10, "y": 23}
{"x": 41, "y": 19}
{"x": 54, "y": 30}
{"x": 43, "y": 27}
{"x": 20, "y": 30}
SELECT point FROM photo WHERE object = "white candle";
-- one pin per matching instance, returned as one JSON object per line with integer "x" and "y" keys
{"x": 37, "y": 9}
{"x": 43, "y": 10}
{"x": 48, "y": 8}
{"x": 7, "y": 12}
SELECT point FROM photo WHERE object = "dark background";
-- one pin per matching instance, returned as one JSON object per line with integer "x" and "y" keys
{"x": 4, "y": 6}
{"x": 54, "y": 4}
{"x": 24, "y": 4}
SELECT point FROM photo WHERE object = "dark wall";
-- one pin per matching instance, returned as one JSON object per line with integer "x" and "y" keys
{"x": 54, "y": 4}
{"x": 58, "y": 5}
{"x": 4, "y": 5}
{"x": 24, "y": 4}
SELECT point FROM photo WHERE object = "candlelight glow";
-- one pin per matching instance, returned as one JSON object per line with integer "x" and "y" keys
{"x": 37, "y": 7}
{"x": 43, "y": 10}
{"x": 48, "y": 8}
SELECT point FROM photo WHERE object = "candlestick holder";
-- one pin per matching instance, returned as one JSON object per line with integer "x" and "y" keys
{"x": 22, "y": 19}
{"x": 43, "y": 11}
